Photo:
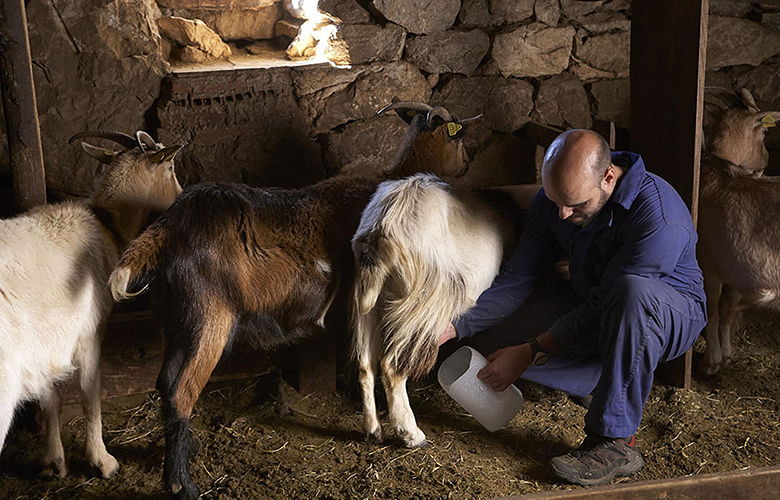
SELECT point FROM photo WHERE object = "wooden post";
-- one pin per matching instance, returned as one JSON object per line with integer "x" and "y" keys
{"x": 668, "y": 49}
{"x": 19, "y": 105}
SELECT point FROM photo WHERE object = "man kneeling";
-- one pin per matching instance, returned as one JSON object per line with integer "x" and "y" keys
{"x": 635, "y": 299}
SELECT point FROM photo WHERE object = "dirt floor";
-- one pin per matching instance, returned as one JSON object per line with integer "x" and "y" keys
{"x": 247, "y": 450}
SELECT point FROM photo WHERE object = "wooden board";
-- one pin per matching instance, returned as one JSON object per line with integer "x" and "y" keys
{"x": 668, "y": 49}
{"x": 755, "y": 483}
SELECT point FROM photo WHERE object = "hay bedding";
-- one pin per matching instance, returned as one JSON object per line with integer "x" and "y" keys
{"x": 249, "y": 451}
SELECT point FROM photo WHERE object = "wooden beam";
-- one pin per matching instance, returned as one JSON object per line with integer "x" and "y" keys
{"x": 668, "y": 49}
{"x": 21, "y": 114}
{"x": 756, "y": 483}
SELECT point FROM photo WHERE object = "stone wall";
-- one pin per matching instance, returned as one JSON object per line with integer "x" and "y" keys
{"x": 561, "y": 62}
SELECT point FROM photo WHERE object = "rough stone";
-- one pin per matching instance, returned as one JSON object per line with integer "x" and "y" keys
{"x": 732, "y": 41}
{"x": 364, "y": 146}
{"x": 476, "y": 14}
{"x": 363, "y": 98}
{"x": 244, "y": 4}
{"x": 603, "y": 22}
{"x": 562, "y": 101}
{"x": 420, "y": 16}
{"x": 79, "y": 61}
{"x": 588, "y": 73}
{"x": 548, "y": 11}
{"x": 771, "y": 20}
{"x": 609, "y": 52}
{"x": 574, "y": 9}
{"x": 310, "y": 80}
{"x": 613, "y": 101}
{"x": 533, "y": 50}
{"x": 287, "y": 27}
{"x": 349, "y": 11}
{"x": 190, "y": 54}
{"x": 256, "y": 24}
{"x": 764, "y": 83}
{"x": 512, "y": 11}
{"x": 449, "y": 51}
{"x": 729, "y": 8}
{"x": 196, "y": 33}
{"x": 504, "y": 103}
{"x": 616, "y": 5}
{"x": 369, "y": 42}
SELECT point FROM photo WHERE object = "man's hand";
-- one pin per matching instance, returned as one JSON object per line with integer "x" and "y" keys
{"x": 505, "y": 366}
{"x": 447, "y": 334}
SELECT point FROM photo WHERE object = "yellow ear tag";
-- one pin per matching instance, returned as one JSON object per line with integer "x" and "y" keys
{"x": 768, "y": 121}
{"x": 453, "y": 128}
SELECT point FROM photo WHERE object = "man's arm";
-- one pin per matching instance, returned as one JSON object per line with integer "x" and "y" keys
{"x": 513, "y": 285}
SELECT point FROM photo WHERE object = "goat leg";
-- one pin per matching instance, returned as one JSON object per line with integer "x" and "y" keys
{"x": 54, "y": 460}
{"x": 713, "y": 356}
{"x": 400, "y": 412}
{"x": 89, "y": 382}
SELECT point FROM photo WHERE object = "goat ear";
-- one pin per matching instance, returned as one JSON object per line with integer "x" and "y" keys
{"x": 166, "y": 154}
{"x": 146, "y": 142}
{"x": 103, "y": 155}
{"x": 459, "y": 128}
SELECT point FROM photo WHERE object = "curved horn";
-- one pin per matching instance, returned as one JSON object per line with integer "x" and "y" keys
{"x": 413, "y": 105}
{"x": 440, "y": 112}
{"x": 146, "y": 142}
{"x": 471, "y": 119}
{"x": 747, "y": 100}
{"x": 120, "y": 138}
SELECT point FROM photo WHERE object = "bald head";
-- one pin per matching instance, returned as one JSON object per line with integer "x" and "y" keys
{"x": 575, "y": 174}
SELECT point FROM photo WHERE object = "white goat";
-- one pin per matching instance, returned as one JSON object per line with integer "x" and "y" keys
{"x": 54, "y": 265}
{"x": 738, "y": 227}
{"x": 424, "y": 252}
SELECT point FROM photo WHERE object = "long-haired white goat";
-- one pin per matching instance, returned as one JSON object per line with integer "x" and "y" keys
{"x": 54, "y": 266}
{"x": 424, "y": 252}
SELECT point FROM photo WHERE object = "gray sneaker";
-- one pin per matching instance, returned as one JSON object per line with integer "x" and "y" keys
{"x": 598, "y": 460}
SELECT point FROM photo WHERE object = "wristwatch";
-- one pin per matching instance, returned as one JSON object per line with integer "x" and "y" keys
{"x": 538, "y": 355}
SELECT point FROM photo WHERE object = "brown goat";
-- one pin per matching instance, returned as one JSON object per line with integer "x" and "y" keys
{"x": 261, "y": 264}
{"x": 738, "y": 228}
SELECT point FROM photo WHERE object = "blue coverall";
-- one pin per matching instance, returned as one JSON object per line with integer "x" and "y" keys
{"x": 641, "y": 295}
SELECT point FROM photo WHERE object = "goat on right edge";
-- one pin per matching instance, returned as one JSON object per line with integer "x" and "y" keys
{"x": 737, "y": 225}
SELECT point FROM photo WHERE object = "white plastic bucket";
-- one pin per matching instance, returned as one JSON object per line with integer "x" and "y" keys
{"x": 458, "y": 377}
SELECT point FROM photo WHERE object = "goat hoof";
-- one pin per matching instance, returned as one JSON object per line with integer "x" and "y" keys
{"x": 374, "y": 437}
{"x": 413, "y": 440}
{"x": 55, "y": 468}
{"x": 108, "y": 466}
{"x": 186, "y": 491}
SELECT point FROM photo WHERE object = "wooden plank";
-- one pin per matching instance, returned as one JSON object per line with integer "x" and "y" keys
{"x": 668, "y": 49}
{"x": 755, "y": 483}
{"x": 19, "y": 106}
{"x": 540, "y": 134}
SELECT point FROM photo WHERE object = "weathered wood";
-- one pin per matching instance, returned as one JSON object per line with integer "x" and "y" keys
{"x": 755, "y": 483}
{"x": 19, "y": 105}
{"x": 668, "y": 49}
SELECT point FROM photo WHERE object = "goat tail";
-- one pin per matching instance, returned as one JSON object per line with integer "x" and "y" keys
{"x": 138, "y": 263}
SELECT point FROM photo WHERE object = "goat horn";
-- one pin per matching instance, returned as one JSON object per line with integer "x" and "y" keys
{"x": 414, "y": 105}
{"x": 471, "y": 119}
{"x": 120, "y": 138}
{"x": 748, "y": 100}
{"x": 440, "y": 112}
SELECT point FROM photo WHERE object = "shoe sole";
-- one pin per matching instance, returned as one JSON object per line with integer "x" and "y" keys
{"x": 626, "y": 470}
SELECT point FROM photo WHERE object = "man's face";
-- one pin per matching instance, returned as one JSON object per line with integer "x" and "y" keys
{"x": 579, "y": 198}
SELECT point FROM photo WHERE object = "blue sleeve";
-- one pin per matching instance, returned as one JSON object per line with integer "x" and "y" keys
{"x": 651, "y": 248}
{"x": 516, "y": 280}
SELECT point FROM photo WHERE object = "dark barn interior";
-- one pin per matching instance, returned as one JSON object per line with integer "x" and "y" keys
{"x": 285, "y": 94}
